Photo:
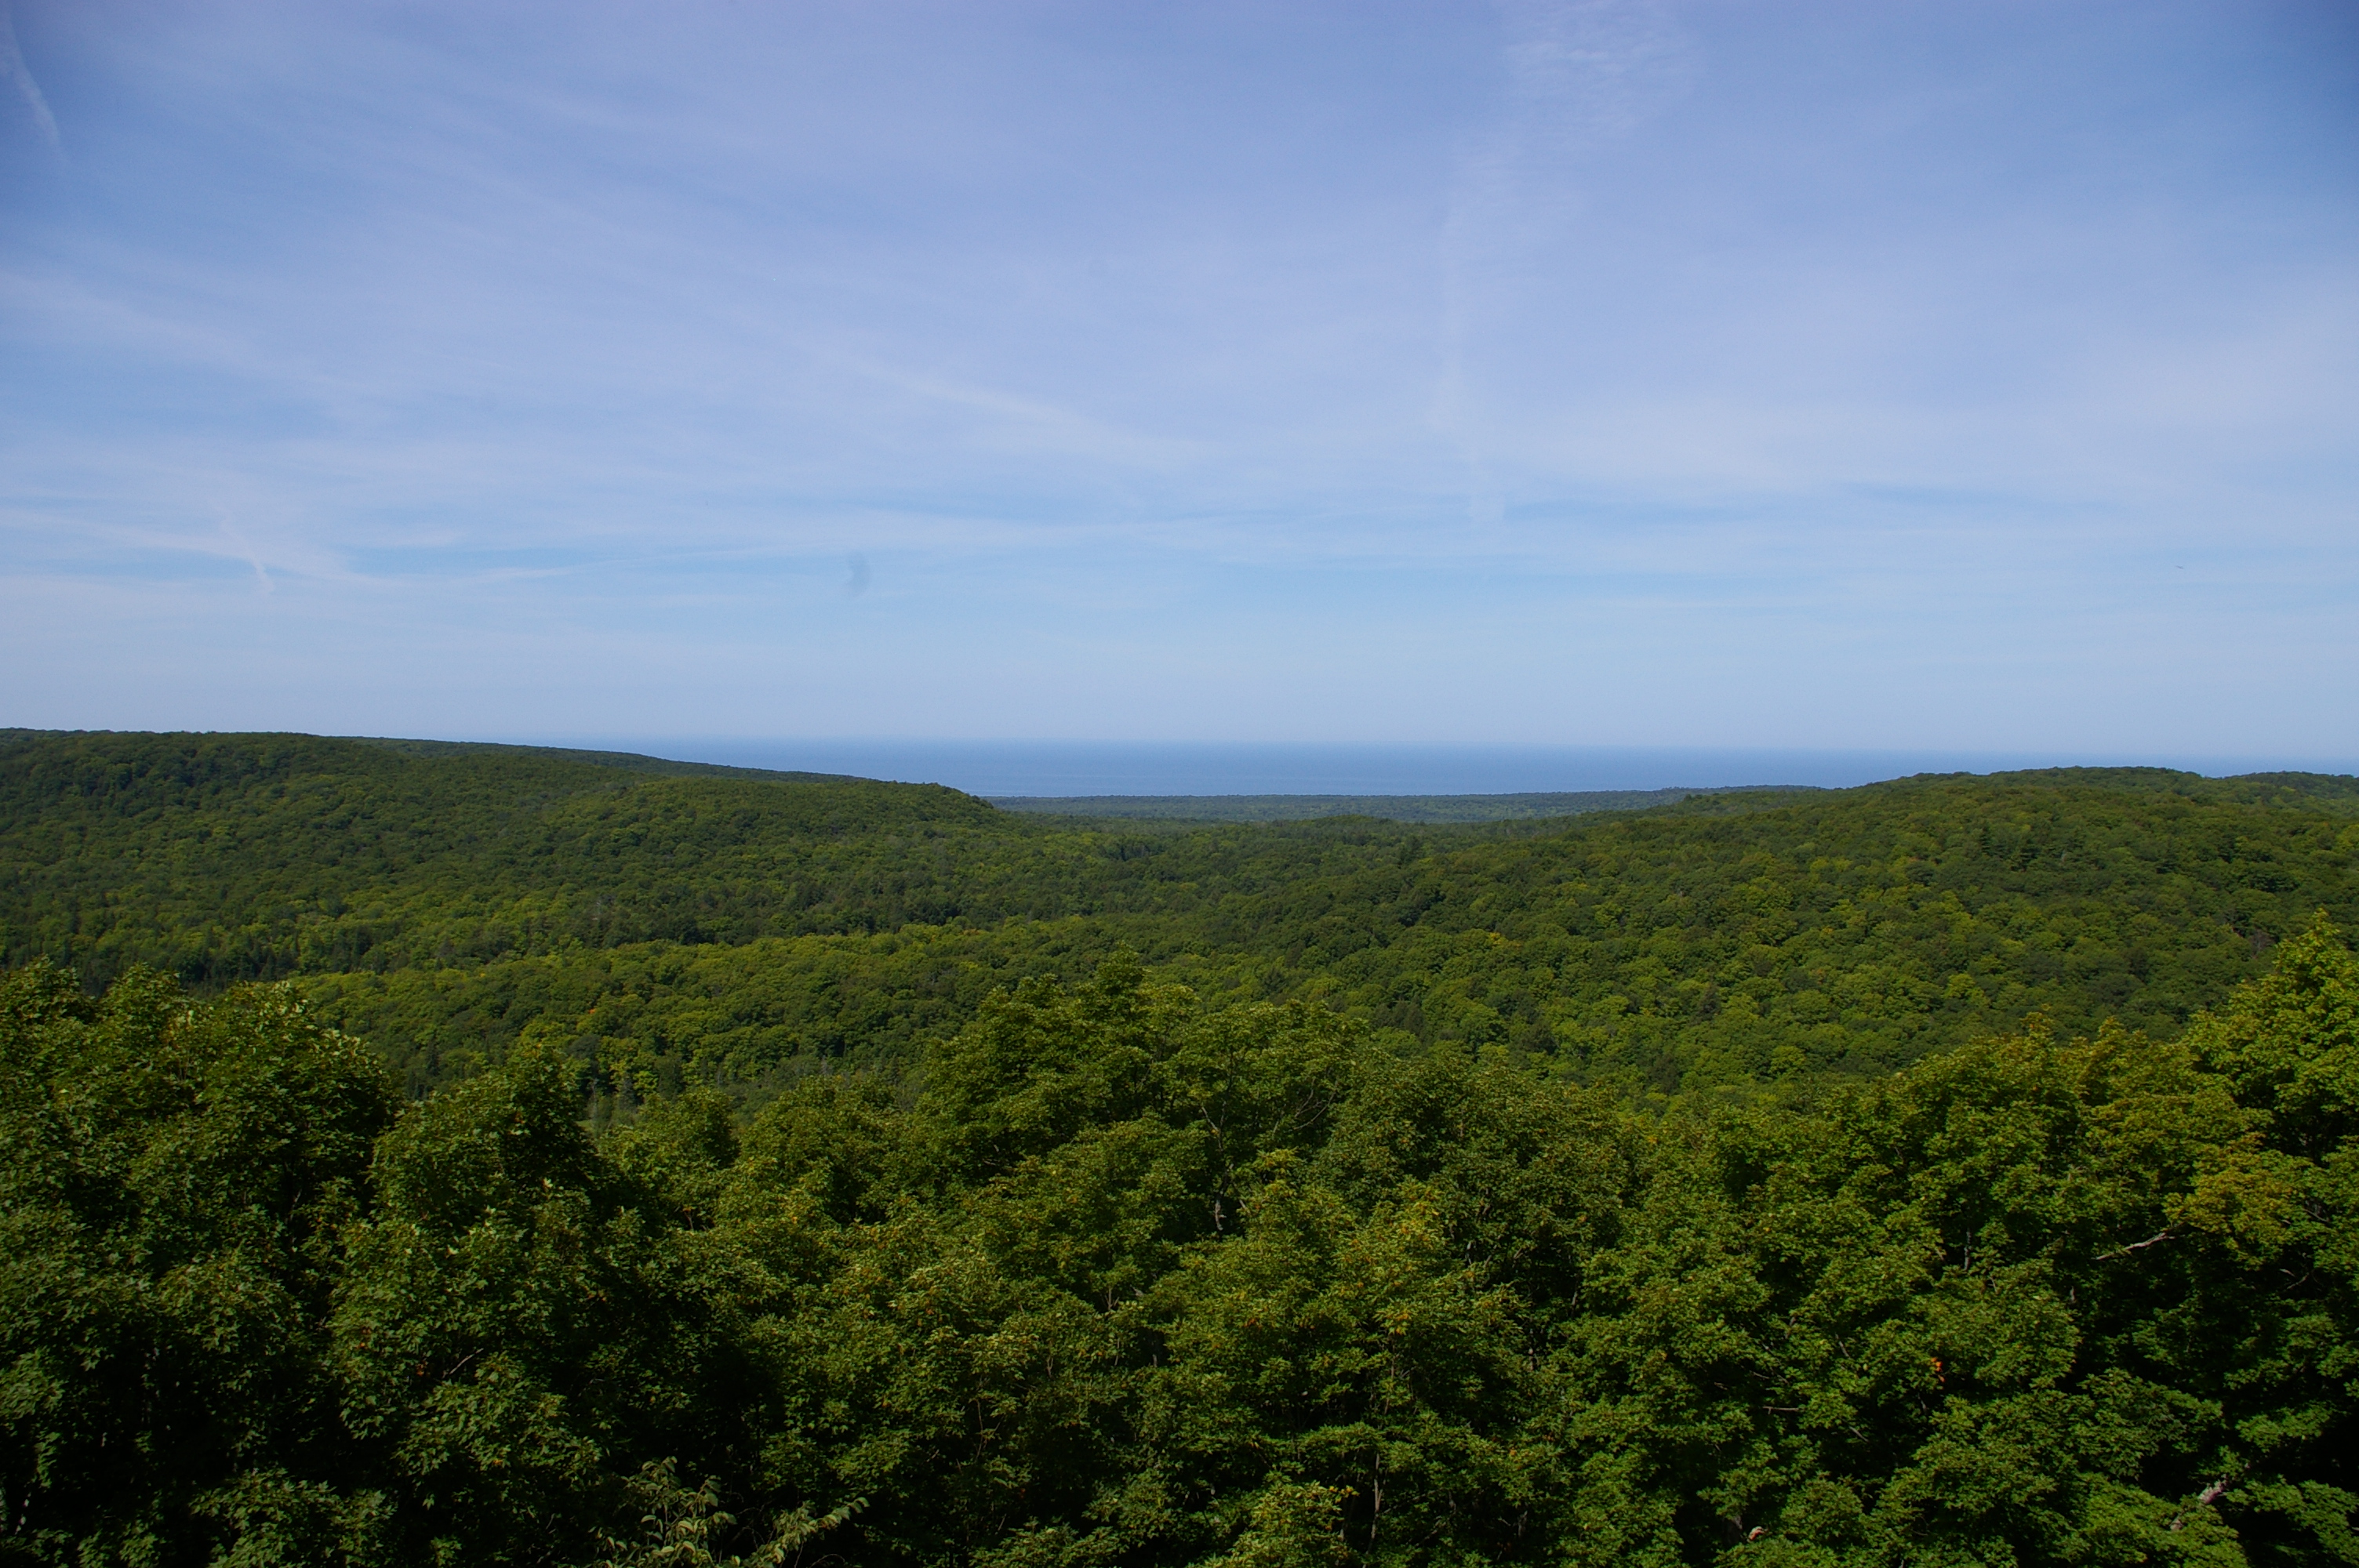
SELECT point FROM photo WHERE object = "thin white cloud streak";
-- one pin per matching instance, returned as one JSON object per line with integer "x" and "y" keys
{"x": 20, "y": 77}
{"x": 1577, "y": 72}
{"x": 1029, "y": 425}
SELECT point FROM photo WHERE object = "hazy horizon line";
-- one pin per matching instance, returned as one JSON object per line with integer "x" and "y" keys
{"x": 1067, "y": 768}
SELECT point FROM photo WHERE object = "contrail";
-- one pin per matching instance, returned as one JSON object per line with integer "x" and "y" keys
{"x": 12, "y": 61}
{"x": 1578, "y": 73}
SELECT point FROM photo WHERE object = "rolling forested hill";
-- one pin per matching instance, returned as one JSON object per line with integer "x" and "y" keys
{"x": 668, "y": 923}
{"x": 648, "y": 1164}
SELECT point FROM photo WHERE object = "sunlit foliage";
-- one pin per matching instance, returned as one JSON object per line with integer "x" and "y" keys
{"x": 1131, "y": 1281}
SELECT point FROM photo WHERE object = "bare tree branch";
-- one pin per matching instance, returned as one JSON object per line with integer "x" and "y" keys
{"x": 2135, "y": 1246}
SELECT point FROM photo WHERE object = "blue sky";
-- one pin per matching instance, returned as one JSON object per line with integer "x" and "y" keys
{"x": 1964, "y": 377}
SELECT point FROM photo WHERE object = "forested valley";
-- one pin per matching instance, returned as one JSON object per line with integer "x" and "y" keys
{"x": 413, "y": 1153}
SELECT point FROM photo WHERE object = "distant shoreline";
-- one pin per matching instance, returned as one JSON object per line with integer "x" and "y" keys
{"x": 1134, "y": 771}
{"x": 1491, "y": 807}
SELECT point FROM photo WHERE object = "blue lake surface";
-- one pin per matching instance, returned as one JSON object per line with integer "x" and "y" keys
{"x": 1006, "y": 768}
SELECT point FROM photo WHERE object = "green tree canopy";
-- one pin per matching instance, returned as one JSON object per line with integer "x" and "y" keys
{"x": 1124, "y": 1278}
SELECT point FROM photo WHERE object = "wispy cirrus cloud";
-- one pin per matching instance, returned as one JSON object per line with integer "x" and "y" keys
{"x": 1576, "y": 73}
{"x": 27, "y": 90}
{"x": 1542, "y": 365}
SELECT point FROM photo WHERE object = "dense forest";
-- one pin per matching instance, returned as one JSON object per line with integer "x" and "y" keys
{"x": 474, "y": 1155}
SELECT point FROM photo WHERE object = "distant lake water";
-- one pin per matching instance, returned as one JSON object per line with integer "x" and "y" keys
{"x": 1094, "y": 767}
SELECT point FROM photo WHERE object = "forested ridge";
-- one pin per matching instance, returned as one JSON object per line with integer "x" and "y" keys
{"x": 442, "y": 901}
{"x": 428, "y": 1153}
